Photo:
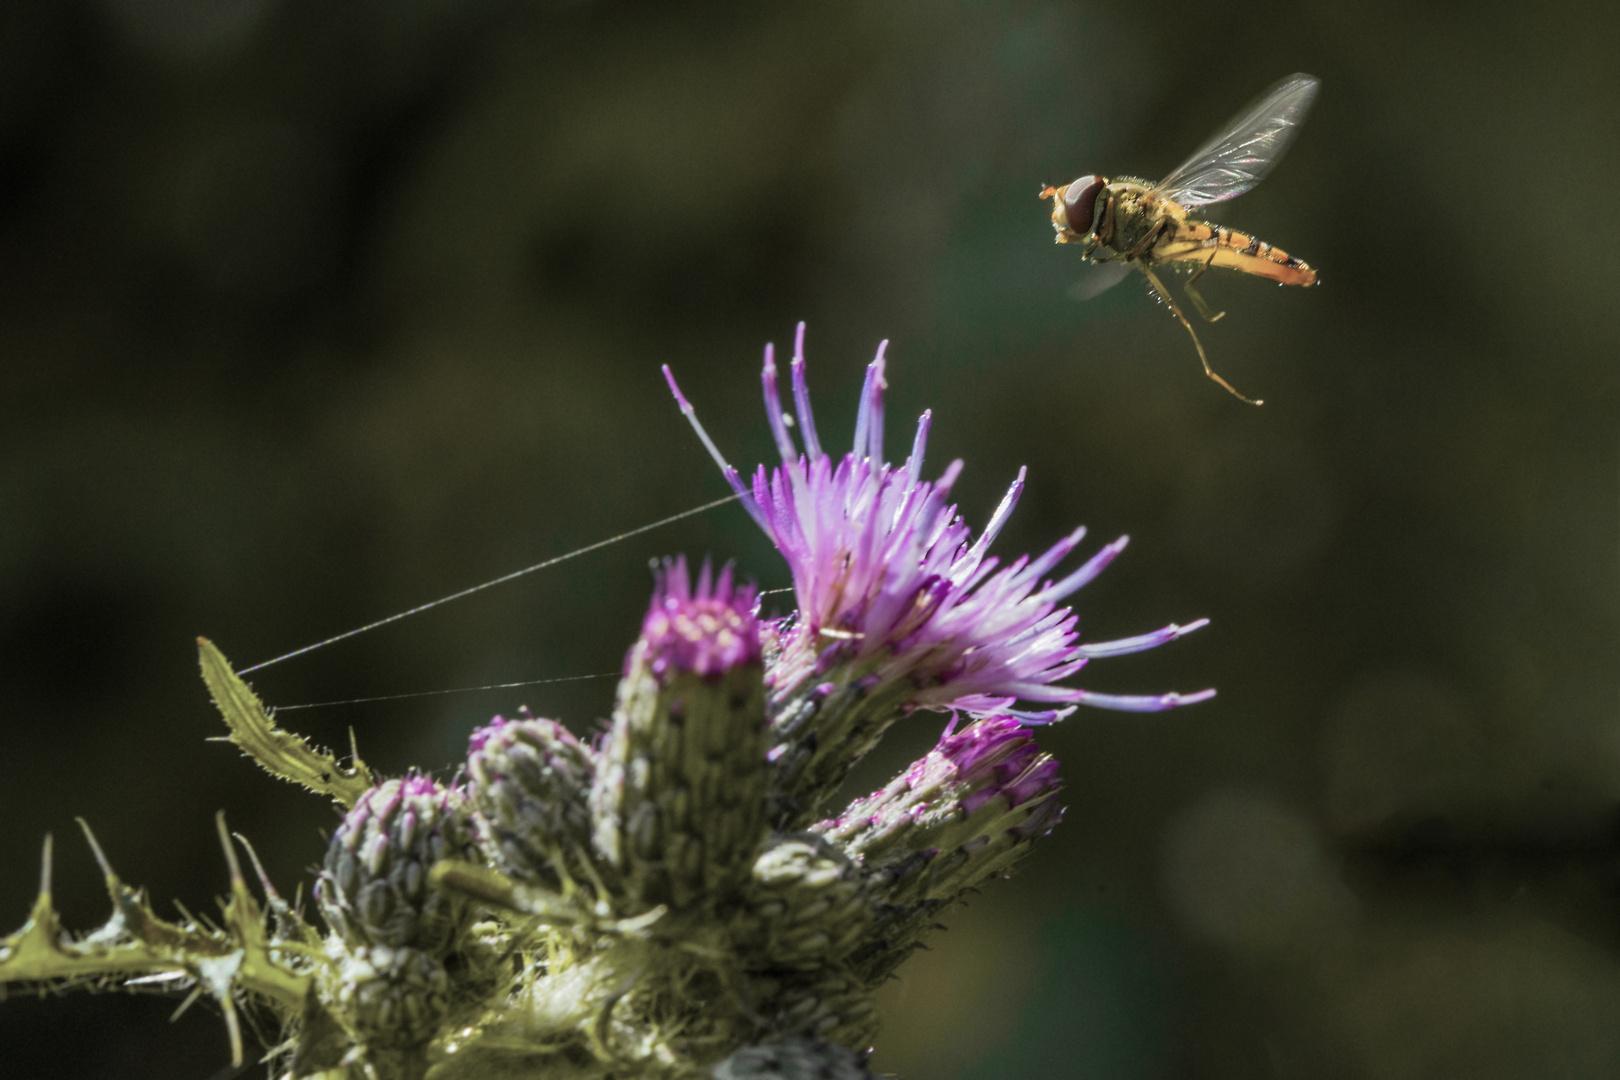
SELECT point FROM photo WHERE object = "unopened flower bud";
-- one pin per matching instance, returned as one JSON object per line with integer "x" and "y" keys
{"x": 829, "y": 1004}
{"x": 806, "y": 905}
{"x": 794, "y": 1059}
{"x": 679, "y": 795}
{"x": 393, "y": 998}
{"x": 963, "y": 814}
{"x": 373, "y": 889}
{"x": 531, "y": 783}
{"x": 967, "y": 809}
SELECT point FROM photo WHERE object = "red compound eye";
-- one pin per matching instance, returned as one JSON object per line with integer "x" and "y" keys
{"x": 1080, "y": 202}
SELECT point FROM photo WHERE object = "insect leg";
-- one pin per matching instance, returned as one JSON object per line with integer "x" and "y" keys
{"x": 1105, "y": 228}
{"x": 1144, "y": 245}
{"x": 1198, "y": 300}
{"x": 1164, "y": 294}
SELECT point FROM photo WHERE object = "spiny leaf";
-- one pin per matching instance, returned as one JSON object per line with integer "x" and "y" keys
{"x": 281, "y": 753}
{"x": 134, "y": 941}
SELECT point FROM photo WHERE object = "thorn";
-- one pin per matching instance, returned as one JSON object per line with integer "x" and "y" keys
{"x": 233, "y": 1027}
{"x": 230, "y": 852}
{"x": 101, "y": 856}
{"x": 191, "y": 999}
{"x": 45, "y": 869}
{"x": 258, "y": 867}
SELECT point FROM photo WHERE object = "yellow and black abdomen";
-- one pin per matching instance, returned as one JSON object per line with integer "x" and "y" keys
{"x": 1214, "y": 245}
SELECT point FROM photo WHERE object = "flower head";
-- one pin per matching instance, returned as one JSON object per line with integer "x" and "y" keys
{"x": 890, "y": 579}
{"x": 706, "y": 631}
{"x": 373, "y": 888}
{"x": 975, "y": 786}
{"x": 531, "y": 780}
{"x": 678, "y": 799}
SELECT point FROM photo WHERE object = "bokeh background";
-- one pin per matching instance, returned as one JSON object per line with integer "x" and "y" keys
{"x": 312, "y": 312}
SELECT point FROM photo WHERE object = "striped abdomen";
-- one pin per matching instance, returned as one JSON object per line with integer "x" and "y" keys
{"x": 1193, "y": 241}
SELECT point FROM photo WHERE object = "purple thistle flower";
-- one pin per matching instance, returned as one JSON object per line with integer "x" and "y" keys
{"x": 966, "y": 812}
{"x": 706, "y": 631}
{"x": 891, "y": 580}
{"x": 997, "y": 753}
{"x": 678, "y": 800}
{"x": 932, "y": 805}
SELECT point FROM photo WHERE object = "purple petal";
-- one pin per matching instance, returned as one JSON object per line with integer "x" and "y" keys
{"x": 801, "y": 399}
{"x": 773, "y": 407}
{"x": 1141, "y": 703}
{"x": 1141, "y": 642}
{"x": 1083, "y": 576}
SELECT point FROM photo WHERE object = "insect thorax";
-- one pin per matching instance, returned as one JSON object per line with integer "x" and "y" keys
{"x": 1135, "y": 211}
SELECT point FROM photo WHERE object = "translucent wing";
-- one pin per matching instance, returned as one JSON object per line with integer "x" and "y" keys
{"x": 1240, "y": 155}
{"x": 1098, "y": 279}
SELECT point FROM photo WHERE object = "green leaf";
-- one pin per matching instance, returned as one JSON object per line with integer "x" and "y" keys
{"x": 281, "y": 753}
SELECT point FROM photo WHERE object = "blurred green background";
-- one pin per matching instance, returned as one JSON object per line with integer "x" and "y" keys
{"x": 312, "y": 312}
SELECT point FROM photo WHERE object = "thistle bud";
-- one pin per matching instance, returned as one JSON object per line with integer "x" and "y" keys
{"x": 966, "y": 812}
{"x": 531, "y": 782}
{"x": 806, "y": 905}
{"x": 794, "y": 1059}
{"x": 678, "y": 797}
{"x": 394, "y": 998}
{"x": 373, "y": 889}
{"x": 959, "y": 815}
{"x": 831, "y": 1005}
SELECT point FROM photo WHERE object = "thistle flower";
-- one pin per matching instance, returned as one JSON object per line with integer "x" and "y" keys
{"x": 402, "y": 957}
{"x": 704, "y": 632}
{"x": 724, "y": 936}
{"x": 963, "y": 814}
{"x": 956, "y": 816}
{"x": 530, "y": 782}
{"x": 897, "y": 601}
{"x": 373, "y": 887}
{"x": 678, "y": 797}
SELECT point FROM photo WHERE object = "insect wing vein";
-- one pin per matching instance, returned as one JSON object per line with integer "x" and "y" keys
{"x": 1240, "y": 155}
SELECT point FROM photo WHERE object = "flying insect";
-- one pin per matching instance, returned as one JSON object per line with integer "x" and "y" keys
{"x": 1129, "y": 224}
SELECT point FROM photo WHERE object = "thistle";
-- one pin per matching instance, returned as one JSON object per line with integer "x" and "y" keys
{"x": 900, "y": 607}
{"x": 679, "y": 791}
{"x": 404, "y": 963}
{"x": 530, "y": 783}
{"x": 670, "y": 900}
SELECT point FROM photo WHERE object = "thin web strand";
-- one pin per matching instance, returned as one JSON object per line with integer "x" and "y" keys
{"x": 455, "y": 690}
{"x": 503, "y": 579}
{"x": 475, "y": 689}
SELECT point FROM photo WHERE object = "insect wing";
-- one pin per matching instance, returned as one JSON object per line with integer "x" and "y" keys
{"x": 1240, "y": 155}
{"x": 1098, "y": 279}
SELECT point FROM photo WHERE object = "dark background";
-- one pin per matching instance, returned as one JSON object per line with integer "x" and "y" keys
{"x": 312, "y": 311}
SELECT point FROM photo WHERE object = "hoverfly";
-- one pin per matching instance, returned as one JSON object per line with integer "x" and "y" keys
{"x": 1129, "y": 223}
